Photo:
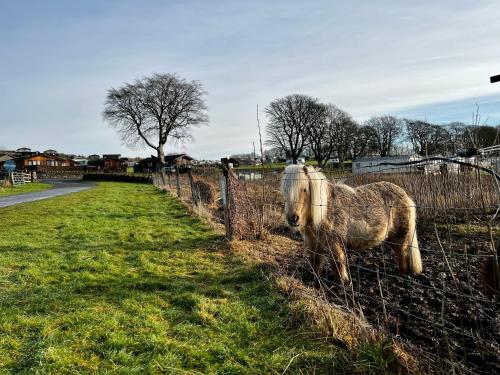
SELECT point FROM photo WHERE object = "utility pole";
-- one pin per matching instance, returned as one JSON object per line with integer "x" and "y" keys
{"x": 254, "y": 157}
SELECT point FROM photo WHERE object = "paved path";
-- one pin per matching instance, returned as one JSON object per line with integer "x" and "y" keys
{"x": 61, "y": 187}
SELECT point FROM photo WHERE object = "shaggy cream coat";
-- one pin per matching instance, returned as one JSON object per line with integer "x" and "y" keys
{"x": 334, "y": 216}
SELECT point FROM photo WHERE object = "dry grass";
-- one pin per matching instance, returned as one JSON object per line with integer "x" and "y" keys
{"x": 454, "y": 196}
{"x": 465, "y": 199}
{"x": 205, "y": 191}
{"x": 370, "y": 351}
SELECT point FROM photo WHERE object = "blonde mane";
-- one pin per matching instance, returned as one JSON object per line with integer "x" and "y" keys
{"x": 295, "y": 178}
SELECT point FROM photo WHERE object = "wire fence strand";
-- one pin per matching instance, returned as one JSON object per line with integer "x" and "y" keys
{"x": 449, "y": 312}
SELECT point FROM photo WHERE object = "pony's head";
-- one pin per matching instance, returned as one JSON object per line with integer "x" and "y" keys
{"x": 305, "y": 191}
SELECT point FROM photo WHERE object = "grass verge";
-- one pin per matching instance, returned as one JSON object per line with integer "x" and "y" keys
{"x": 26, "y": 188}
{"x": 121, "y": 278}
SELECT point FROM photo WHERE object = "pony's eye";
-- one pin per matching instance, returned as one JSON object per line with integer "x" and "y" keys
{"x": 305, "y": 190}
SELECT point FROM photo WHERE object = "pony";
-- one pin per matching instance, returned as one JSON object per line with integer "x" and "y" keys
{"x": 334, "y": 216}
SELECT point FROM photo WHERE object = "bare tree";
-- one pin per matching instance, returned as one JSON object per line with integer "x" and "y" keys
{"x": 276, "y": 153}
{"x": 459, "y": 137}
{"x": 361, "y": 139}
{"x": 289, "y": 120}
{"x": 337, "y": 134}
{"x": 342, "y": 128}
{"x": 155, "y": 109}
{"x": 484, "y": 135}
{"x": 427, "y": 138}
{"x": 441, "y": 143}
{"x": 320, "y": 137}
{"x": 420, "y": 134}
{"x": 386, "y": 131}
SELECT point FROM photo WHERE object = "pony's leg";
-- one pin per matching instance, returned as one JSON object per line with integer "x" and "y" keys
{"x": 400, "y": 247}
{"x": 318, "y": 261}
{"x": 397, "y": 241}
{"x": 339, "y": 261}
{"x": 316, "y": 254}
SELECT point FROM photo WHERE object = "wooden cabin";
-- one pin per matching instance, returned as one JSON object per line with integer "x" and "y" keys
{"x": 108, "y": 163}
{"x": 41, "y": 160}
{"x": 172, "y": 161}
{"x": 182, "y": 161}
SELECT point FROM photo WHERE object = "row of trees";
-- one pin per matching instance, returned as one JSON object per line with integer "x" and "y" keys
{"x": 152, "y": 110}
{"x": 427, "y": 138}
{"x": 300, "y": 124}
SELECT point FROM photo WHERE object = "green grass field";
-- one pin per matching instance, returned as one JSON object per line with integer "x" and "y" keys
{"x": 121, "y": 279}
{"x": 26, "y": 188}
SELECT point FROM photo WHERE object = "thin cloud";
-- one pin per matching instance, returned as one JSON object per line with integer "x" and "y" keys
{"x": 59, "y": 59}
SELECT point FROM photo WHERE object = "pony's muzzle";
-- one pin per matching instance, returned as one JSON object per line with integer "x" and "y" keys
{"x": 293, "y": 220}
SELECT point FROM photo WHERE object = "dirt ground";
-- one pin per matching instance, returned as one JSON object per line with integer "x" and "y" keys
{"x": 443, "y": 313}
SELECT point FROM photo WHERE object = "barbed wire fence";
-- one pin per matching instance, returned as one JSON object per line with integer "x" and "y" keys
{"x": 448, "y": 314}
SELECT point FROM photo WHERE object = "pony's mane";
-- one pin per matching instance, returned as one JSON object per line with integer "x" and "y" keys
{"x": 295, "y": 177}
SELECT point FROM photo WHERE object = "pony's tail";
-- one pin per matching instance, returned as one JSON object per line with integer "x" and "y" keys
{"x": 414, "y": 259}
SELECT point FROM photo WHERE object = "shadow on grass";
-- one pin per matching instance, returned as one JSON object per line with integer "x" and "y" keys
{"x": 217, "y": 312}
{"x": 122, "y": 279}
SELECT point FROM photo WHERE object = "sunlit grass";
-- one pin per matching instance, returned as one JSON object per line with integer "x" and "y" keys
{"x": 120, "y": 278}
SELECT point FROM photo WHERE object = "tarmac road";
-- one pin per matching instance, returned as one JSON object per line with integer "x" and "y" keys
{"x": 61, "y": 187}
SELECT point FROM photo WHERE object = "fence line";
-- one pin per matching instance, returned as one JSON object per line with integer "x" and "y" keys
{"x": 456, "y": 319}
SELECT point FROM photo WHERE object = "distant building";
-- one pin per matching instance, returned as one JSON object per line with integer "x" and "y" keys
{"x": 335, "y": 162}
{"x": 233, "y": 162}
{"x": 108, "y": 163}
{"x": 50, "y": 152}
{"x": 3, "y": 159}
{"x": 385, "y": 164}
{"x": 111, "y": 156}
{"x": 114, "y": 162}
{"x": 172, "y": 161}
{"x": 376, "y": 164}
{"x": 300, "y": 160}
{"x": 37, "y": 161}
{"x": 241, "y": 162}
{"x": 82, "y": 162}
{"x": 147, "y": 165}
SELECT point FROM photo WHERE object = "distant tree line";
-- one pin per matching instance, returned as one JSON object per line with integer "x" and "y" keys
{"x": 153, "y": 110}
{"x": 301, "y": 124}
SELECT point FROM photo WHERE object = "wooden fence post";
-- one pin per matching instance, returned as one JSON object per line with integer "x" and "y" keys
{"x": 225, "y": 198}
{"x": 164, "y": 184}
{"x": 177, "y": 181}
{"x": 194, "y": 193}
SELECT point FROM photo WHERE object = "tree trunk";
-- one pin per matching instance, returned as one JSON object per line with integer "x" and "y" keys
{"x": 161, "y": 159}
{"x": 320, "y": 161}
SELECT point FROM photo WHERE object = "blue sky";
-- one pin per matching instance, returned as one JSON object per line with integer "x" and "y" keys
{"x": 409, "y": 58}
